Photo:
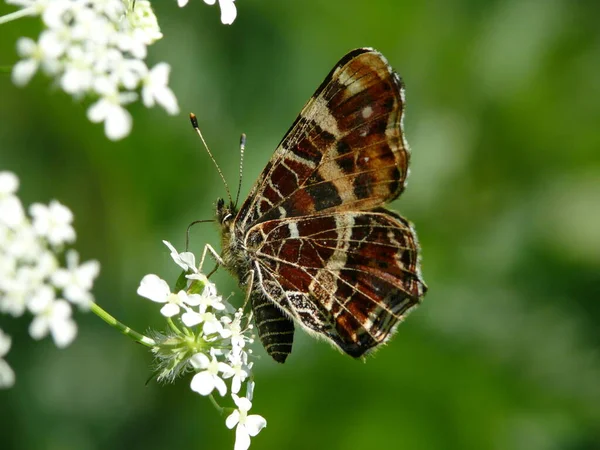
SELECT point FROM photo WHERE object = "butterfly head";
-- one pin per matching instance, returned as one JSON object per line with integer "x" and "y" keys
{"x": 225, "y": 213}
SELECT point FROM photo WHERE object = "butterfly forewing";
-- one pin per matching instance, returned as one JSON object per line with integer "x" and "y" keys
{"x": 345, "y": 150}
{"x": 312, "y": 237}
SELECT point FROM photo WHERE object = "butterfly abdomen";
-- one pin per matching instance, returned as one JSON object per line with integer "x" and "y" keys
{"x": 275, "y": 330}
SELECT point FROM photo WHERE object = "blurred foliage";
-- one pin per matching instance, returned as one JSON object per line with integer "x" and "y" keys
{"x": 504, "y": 122}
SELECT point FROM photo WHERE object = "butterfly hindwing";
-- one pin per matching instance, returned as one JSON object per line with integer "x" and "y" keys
{"x": 349, "y": 276}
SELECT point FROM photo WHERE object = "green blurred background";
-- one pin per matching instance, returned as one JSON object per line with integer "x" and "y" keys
{"x": 503, "y": 118}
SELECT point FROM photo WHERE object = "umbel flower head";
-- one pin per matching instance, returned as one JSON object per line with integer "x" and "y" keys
{"x": 32, "y": 280}
{"x": 208, "y": 336}
{"x": 96, "y": 49}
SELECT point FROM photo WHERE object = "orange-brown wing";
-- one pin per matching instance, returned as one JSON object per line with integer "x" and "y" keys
{"x": 349, "y": 277}
{"x": 345, "y": 151}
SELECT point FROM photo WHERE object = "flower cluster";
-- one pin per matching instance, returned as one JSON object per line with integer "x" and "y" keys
{"x": 207, "y": 335}
{"x": 228, "y": 9}
{"x": 31, "y": 277}
{"x": 96, "y": 48}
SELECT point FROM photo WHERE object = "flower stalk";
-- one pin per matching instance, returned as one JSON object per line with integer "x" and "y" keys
{"x": 127, "y": 331}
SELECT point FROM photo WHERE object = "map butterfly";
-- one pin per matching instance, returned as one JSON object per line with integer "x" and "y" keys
{"x": 312, "y": 244}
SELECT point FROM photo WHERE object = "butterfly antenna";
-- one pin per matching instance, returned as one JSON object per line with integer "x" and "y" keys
{"x": 242, "y": 147}
{"x": 194, "y": 121}
{"x": 187, "y": 231}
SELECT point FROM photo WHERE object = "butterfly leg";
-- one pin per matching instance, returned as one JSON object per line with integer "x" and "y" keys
{"x": 215, "y": 255}
{"x": 249, "y": 286}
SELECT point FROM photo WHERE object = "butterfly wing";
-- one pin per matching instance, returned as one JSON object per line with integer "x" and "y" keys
{"x": 345, "y": 151}
{"x": 349, "y": 277}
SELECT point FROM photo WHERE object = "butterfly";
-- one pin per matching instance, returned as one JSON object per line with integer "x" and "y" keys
{"x": 312, "y": 243}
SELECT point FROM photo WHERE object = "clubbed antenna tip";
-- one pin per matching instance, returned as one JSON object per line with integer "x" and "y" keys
{"x": 194, "y": 120}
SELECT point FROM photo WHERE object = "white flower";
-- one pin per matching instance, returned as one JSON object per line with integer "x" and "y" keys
{"x": 247, "y": 425}
{"x": 156, "y": 89}
{"x": 77, "y": 280}
{"x": 237, "y": 336}
{"x": 96, "y": 48}
{"x": 7, "y": 376}
{"x": 45, "y": 53}
{"x": 240, "y": 371}
{"x": 210, "y": 322}
{"x": 117, "y": 120}
{"x": 30, "y": 273}
{"x": 52, "y": 316}
{"x": 228, "y": 10}
{"x": 53, "y": 222}
{"x": 11, "y": 210}
{"x": 205, "y": 381}
{"x": 156, "y": 289}
{"x": 9, "y": 183}
{"x": 185, "y": 260}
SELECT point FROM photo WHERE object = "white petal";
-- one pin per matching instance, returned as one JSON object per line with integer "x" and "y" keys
{"x": 176, "y": 256}
{"x": 11, "y": 212}
{"x": 188, "y": 259}
{"x": 98, "y": 111}
{"x": 64, "y": 333}
{"x": 242, "y": 403}
{"x": 166, "y": 98}
{"x": 118, "y": 123}
{"x": 212, "y": 326}
{"x": 41, "y": 300}
{"x": 154, "y": 288}
{"x": 193, "y": 299}
{"x": 7, "y": 375}
{"x": 38, "y": 328}
{"x": 9, "y": 183}
{"x": 169, "y": 310}
{"x": 203, "y": 383}
{"x": 23, "y": 71}
{"x": 200, "y": 361}
{"x": 191, "y": 319}
{"x": 254, "y": 424}
{"x": 160, "y": 73}
{"x": 232, "y": 419}
{"x": 220, "y": 385}
{"x": 5, "y": 342}
{"x": 228, "y": 11}
{"x": 209, "y": 2}
{"x": 242, "y": 439}
{"x": 250, "y": 390}
{"x": 225, "y": 369}
{"x": 26, "y": 47}
{"x": 236, "y": 385}
{"x": 61, "y": 310}
{"x": 170, "y": 246}
{"x": 87, "y": 272}
{"x": 182, "y": 3}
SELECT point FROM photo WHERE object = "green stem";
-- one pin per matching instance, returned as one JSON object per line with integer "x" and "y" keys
{"x": 173, "y": 326}
{"x": 215, "y": 404}
{"x": 31, "y": 11}
{"x": 139, "y": 338}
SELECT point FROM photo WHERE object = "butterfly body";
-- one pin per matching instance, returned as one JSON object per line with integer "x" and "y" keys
{"x": 312, "y": 242}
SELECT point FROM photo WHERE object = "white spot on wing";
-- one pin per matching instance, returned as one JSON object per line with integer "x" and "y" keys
{"x": 293, "y": 227}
